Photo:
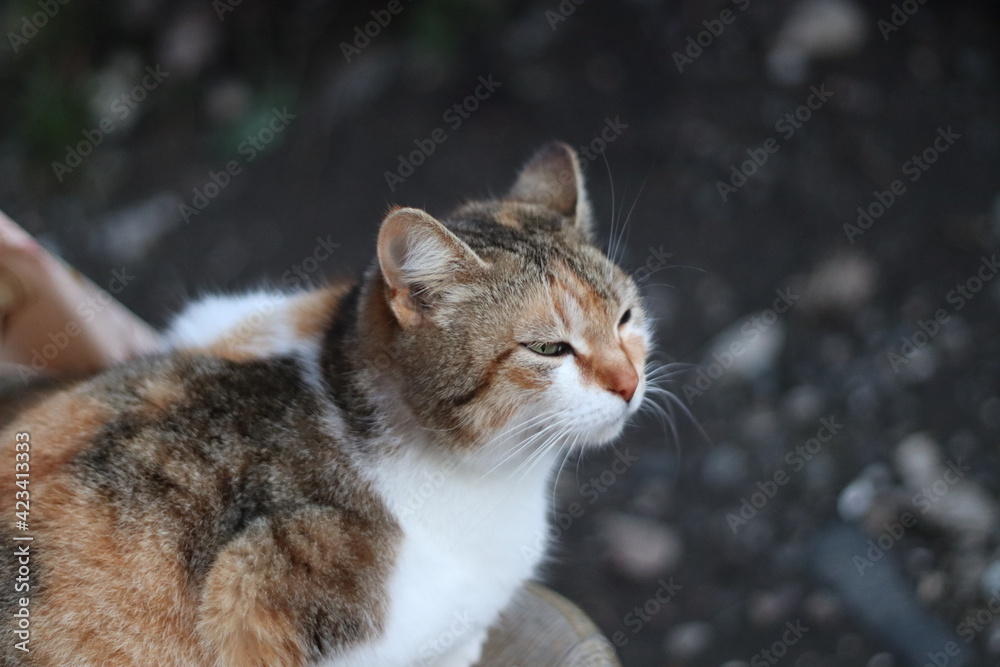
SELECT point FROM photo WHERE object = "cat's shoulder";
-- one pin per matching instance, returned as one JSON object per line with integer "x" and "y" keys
{"x": 256, "y": 324}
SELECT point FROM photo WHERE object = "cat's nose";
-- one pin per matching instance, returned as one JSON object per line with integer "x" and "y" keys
{"x": 624, "y": 381}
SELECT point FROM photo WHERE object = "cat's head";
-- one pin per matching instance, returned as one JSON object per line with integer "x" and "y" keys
{"x": 506, "y": 317}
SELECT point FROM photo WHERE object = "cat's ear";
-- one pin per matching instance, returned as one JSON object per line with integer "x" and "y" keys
{"x": 553, "y": 178}
{"x": 420, "y": 259}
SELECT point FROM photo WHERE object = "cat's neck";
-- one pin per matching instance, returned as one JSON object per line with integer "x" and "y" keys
{"x": 461, "y": 497}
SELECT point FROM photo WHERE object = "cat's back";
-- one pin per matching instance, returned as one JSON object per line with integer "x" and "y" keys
{"x": 134, "y": 481}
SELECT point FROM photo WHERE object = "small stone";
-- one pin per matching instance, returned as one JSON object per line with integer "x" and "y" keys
{"x": 804, "y": 403}
{"x": 918, "y": 460}
{"x": 189, "y": 41}
{"x": 841, "y": 285}
{"x": 815, "y": 29}
{"x": 228, "y": 101}
{"x": 859, "y": 500}
{"x": 688, "y": 640}
{"x": 128, "y": 234}
{"x": 943, "y": 494}
{"x": 750, "y": 355}
{"x": 856, "y": 499}
{"x": 767, "y": 608}
{"x": 640, "y": 548}
{"x": 931, "y": 587}
{"x": 918, "y": 366}
{"x": 965, "y": 508}
{"x": 761, "y": 425}
{"x": 823, "y": 607}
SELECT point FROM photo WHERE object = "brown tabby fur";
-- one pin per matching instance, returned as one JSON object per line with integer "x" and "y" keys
{"x": 207, "y": 506}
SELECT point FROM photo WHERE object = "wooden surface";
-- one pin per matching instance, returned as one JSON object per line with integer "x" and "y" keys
{"x": 543, "y": 629}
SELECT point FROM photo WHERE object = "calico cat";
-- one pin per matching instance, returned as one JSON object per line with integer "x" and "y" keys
{"x": 340, "y": 477}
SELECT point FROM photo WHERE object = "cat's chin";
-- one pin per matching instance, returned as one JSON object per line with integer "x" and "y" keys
{"x": 607, "y": 433}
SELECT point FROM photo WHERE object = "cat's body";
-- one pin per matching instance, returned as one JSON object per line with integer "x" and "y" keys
{"x": 354, "y": 476}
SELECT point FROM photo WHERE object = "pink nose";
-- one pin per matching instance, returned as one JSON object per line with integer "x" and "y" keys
{"x": 623, "y": 381}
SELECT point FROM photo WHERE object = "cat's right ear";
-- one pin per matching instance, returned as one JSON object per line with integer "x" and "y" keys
{"x": 553, "y": 178}
{"x": 420, "y": 259}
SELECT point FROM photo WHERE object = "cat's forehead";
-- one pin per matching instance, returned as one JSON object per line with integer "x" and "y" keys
{"x": 501, "y": 215}
{"x": 545, "y": 264}
{"x": 533, "y": 232}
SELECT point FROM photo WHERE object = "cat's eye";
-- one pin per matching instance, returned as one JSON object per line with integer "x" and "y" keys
{"x": 626, "y": 317}
{"x": 549, "y": 349}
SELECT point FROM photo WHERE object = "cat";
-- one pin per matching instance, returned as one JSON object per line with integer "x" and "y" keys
{"x": 345, "y": 477}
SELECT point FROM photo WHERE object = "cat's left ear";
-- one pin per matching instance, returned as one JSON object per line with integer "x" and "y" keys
{"x": 553, "y": 178}
{"x": 421, "y": 260}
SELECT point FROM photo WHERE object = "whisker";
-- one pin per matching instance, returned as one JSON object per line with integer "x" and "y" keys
{"x": 555, "y": 480}
{"x": 526, "y": 444}
{"x": 611, "y": 233}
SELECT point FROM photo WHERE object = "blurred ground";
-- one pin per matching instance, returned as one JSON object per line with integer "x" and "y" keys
{"x": 861, "y": 400}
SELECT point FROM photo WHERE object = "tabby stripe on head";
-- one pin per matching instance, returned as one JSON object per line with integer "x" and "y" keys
{"x": 485, "y": 381}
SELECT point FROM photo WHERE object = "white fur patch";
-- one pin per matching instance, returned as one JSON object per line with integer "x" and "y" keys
{"x": 470, "y": 541}
{"x": 257, "y": 322}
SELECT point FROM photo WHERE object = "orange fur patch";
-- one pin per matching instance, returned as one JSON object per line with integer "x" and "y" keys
{"x": 58, "y": 428}
{"x": 311, "y": 312}
{"x": 134, "y": 605}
